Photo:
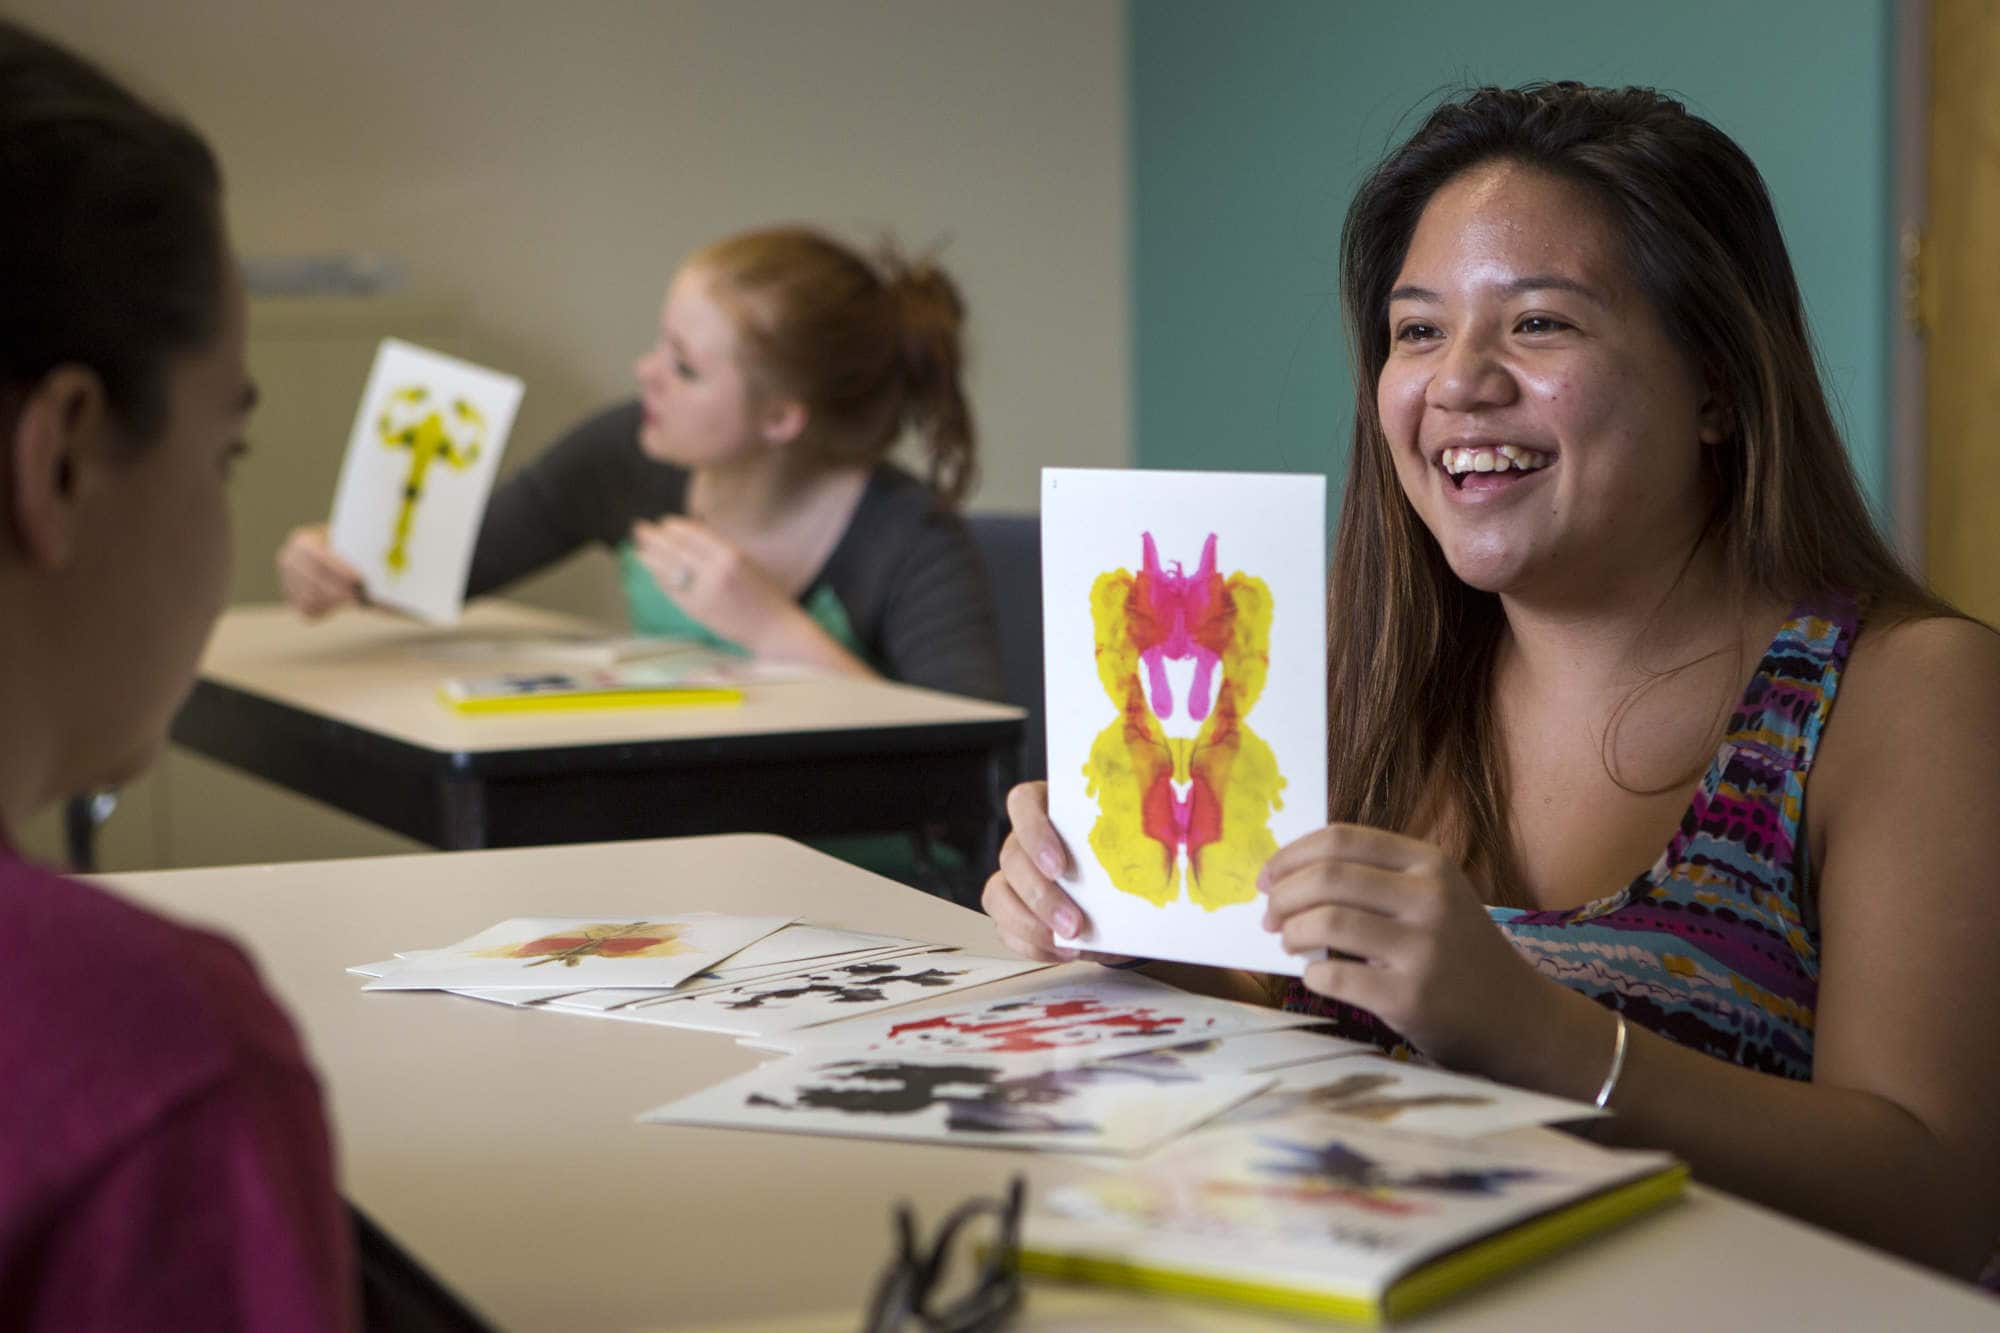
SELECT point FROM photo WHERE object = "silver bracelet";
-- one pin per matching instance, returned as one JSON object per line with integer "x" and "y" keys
{"x": 1617, "y": 1065}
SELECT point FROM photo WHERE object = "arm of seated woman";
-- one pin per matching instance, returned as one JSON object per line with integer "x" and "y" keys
{"x": 1892, "y": 1141}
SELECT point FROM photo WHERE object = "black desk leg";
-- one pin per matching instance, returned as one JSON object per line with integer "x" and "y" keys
{"x": 1001, "y": 769}
{"x": 398, "y": 1293}
{"x": 81, "y": 816}
{"x": 462, "y": 815}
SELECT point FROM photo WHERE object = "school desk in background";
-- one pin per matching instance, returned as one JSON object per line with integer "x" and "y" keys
{"x": 346, "y": 711}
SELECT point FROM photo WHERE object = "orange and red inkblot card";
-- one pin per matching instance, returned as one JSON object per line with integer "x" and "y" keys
{"x": 562, "y": 953}
{"x": 1184, "y": 621}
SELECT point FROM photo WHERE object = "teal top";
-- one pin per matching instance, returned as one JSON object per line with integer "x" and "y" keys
{"x": 657, "y": 615}
{"x": 904, "y": 584}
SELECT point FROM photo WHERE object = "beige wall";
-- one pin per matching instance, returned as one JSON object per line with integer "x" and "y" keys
{"x": 539, "y": 169}
{"x": 547, "y": 164}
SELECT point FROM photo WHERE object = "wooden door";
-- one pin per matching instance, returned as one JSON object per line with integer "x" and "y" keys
{"x": 1961, "y": 307}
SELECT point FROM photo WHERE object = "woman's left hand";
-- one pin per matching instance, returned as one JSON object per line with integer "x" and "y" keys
{"x": 712, "y": 580}
{"x": 1421, "y": 953}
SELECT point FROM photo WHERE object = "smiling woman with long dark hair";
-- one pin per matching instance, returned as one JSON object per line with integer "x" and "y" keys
{"x": 1597, "y": 826}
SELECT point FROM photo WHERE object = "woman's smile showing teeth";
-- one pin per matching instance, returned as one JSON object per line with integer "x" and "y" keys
{"x": 1490, "y": 467}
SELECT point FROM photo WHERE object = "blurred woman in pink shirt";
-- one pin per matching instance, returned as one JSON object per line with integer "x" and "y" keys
{"x": 164, "y": 1158}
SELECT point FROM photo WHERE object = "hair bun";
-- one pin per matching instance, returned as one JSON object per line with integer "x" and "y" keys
{"x": 930, "y": 311}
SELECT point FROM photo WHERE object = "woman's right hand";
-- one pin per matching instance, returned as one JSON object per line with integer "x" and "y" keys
{"x": 316, "y": 580}
{"x": 1022, "y": 897}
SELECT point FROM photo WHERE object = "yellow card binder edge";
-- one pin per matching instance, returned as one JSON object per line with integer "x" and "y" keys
{"x": 1105, "y": 1270}
{"x": 593, "y": 699}
{"x": 1534, "y": 1239}
{"x": 1432, "y": 1282}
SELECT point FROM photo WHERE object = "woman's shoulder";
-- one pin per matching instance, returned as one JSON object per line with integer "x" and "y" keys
{"x": 1901, "y": 662}
{"x": 895, "y": 489}
{"x": 164, "y": 975}
{"x": 1918, "y": 694}
{"x": 143, "y": 1011}
{"x": 609, "y": 439}
{"x": 615, "y": 424}
{"x": 900, "y": 537}
{"x": 899, "y": 509}
{"x": 597, "y": 465}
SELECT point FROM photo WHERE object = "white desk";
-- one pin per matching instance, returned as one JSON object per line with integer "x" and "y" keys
{"x": 346, "y": 711}
{"x": 499, "y": 1147}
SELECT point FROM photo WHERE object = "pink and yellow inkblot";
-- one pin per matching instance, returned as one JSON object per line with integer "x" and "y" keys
{"x": 1173, "y": 808}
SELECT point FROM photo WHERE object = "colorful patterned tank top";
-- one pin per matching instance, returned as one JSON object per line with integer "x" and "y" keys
{"x": 1716, "y": 946}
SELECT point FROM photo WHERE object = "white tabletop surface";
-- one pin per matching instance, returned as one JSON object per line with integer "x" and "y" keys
{"x": 499, "y": 1145}
{"x": 381, "y": 672}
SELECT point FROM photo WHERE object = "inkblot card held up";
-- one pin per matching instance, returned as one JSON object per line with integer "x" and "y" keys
{"x": 1184, "y": 619}
{"x": 420, "y": 460}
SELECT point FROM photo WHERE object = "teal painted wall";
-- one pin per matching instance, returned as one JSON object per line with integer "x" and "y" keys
{"x": 1253, "y": 122}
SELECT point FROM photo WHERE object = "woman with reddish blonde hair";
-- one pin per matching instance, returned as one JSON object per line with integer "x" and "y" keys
{"x": 1597, "y": 826}
{"x": 747, "y": 491}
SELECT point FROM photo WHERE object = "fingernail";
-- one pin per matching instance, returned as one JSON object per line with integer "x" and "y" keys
{"x": 1050, "y": 862}
{"x": 1068, "y": 921}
